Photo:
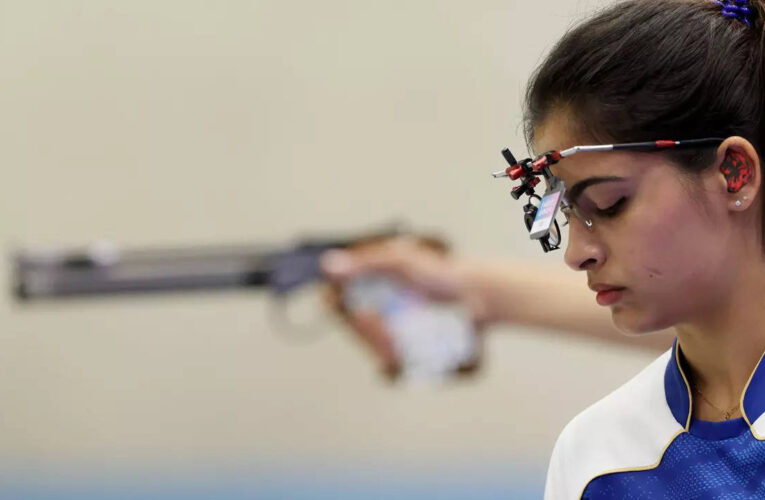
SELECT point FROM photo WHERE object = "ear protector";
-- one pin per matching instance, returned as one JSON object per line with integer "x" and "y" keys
{"x": 736, "y": 170}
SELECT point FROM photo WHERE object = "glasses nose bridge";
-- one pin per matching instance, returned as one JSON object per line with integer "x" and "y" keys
{"x": 567, "y": 210}
{"x": 584, "y": 250}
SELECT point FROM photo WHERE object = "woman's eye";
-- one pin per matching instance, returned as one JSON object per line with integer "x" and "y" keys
{"x": 613, "y": 209}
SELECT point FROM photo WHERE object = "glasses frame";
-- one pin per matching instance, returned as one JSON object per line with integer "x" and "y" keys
{"x": 531, "y": 171}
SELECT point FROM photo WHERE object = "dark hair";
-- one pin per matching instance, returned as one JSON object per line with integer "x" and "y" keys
{"x": 656, "y": 69}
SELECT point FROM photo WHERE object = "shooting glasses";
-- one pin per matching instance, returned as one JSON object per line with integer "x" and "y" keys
{"x": 540, "y": 213}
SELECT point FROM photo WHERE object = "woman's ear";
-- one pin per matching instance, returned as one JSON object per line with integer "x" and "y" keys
{"x": 739, "y": 169}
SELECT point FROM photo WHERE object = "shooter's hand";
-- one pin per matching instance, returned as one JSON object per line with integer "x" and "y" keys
{"x": 418, "y": 263}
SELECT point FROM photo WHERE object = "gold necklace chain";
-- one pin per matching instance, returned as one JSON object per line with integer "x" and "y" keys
{"x": 726, "y": 413}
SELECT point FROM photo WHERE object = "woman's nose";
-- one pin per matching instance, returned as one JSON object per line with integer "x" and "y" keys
{"x": 583, "y": 252}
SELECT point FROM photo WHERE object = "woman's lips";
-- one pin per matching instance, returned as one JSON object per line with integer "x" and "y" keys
{"x": 610, "y": 296}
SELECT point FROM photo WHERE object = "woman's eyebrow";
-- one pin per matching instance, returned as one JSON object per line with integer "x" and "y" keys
{"x": 577, "y": 189}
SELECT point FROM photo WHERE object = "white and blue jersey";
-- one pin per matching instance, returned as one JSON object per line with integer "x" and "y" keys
{"x": 641, "y": 442}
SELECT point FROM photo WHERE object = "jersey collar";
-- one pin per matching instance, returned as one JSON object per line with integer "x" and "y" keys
{"x": 677, "y": 390}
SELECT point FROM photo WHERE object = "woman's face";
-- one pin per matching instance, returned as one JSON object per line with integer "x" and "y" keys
{"x": 658, "y": 238}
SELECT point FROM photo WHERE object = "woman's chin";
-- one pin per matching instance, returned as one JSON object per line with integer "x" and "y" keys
{"x": 631, "y": 321}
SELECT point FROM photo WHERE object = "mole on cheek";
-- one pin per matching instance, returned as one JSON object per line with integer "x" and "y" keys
{"x": 652, "y": 273}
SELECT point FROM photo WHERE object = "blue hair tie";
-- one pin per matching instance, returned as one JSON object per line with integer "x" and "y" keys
{"x": 736, "y": 9}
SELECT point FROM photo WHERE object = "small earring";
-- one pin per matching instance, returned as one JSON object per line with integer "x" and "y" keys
{"x": 738, "y": 203}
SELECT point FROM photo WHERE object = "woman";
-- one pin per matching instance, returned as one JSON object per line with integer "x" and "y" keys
{"x": 667, "y": 240}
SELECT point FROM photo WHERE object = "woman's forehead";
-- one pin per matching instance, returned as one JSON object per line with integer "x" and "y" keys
{"x": 555, "y": 134}
{"x": 599, "y": 164}
{"x": 561, "y": 127}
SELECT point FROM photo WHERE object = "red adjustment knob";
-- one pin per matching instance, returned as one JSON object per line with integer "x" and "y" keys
{"x": 533, "y": 182}
{"x": 540, "y": 164}
{"x": 515, "y": 172}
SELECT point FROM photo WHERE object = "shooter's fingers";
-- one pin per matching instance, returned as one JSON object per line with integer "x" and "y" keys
{"x": 371, "y": 329}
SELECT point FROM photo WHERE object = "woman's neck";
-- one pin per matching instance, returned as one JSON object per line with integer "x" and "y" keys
{"x": 723, "y": 348}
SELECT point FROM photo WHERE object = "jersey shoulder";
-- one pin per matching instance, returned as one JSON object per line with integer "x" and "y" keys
{"x": 627, "y": 430}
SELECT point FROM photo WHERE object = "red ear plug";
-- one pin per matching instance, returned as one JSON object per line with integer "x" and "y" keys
{"x": 736, "y": 170}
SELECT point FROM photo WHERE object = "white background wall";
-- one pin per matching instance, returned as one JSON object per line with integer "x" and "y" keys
{"x": 183, "y": 122}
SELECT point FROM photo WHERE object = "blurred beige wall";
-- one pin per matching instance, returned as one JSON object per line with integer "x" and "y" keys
{"x": 182, "y": 122}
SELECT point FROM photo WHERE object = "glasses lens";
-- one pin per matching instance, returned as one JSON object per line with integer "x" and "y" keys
{"x": 554, "y": 235}
{"x": 568, "y": 210}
